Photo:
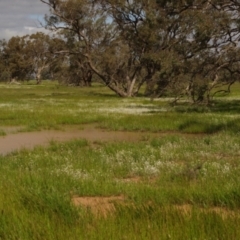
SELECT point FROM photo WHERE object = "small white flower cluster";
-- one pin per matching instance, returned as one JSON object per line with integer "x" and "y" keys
{"x": 70, "y": 171}
{"x": 147, "y": 162}
{"x": 131, "y": 110}
{"x": 216, "y": 169}
{"x": 13, "y": 86}
{"x": 22, "y": 106}
{"x": 157, "y": 167}
{"x": 6, "y": 105}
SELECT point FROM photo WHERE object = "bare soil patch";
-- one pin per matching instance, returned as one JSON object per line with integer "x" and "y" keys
{"x": 223, "y": 212}
{"x": 104, "y": 206}
{"x": 99, "y": 206}
{"x": 137, "y": 179}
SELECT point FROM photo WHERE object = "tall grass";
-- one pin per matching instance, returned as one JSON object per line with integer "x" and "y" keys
{"x": 175, "y": 186}
{"x": 37, "y": 187}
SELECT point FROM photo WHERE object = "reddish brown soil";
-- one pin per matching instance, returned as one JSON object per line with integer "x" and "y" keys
{"x": 99, "y": 206}
{"x": 223, "y": 212}
{"x": 104, "y": 206}
{"x": 135, "y": 179}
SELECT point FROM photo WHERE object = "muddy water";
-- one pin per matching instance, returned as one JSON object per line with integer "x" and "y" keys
{"x": 16, "y": 141}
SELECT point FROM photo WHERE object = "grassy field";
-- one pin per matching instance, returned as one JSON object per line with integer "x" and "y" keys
{"x": 183, "y": 184}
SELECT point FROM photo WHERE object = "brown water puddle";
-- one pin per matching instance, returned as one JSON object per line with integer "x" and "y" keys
{"x": 15, "y": 141}
{"x": 8, "y": 130}
{"x": 28, "y": 140}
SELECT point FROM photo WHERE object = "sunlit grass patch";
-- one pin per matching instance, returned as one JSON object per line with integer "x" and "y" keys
{"x": 48, "y": 106}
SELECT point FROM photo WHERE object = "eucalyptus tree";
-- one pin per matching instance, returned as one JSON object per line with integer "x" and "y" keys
{"x": 17, "y": 62}
{"x": 24, "y": 57}
{"x": 215, "y": 59}
{"x": 75, "y": 69}
{"x": 79, "y": 73}
{"x": 37, "y": 51}
{"x": 159, "y": 34}
{"x": 174, "y": 47}
{"x": 205, "y": 55}
{"x": 136, "y": 26}
{"x": 40, "y": 49}
{"x": 4, "y": 71}
{"x": 118, "y": 40}
{"x": 97, "y": 43}
{"x": 126, "y": 43}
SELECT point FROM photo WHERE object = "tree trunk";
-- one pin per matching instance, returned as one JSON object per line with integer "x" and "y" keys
{"x": 38, "y": 76}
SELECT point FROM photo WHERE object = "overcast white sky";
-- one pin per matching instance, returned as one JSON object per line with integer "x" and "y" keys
{"x": 20, "y": 17}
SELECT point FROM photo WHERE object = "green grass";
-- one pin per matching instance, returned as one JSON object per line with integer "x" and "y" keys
{"x": 38, "y": 185}
{"x": 182, "y": 185}
{"x": 2, "y": 132}
{"x": 48, "y": 106}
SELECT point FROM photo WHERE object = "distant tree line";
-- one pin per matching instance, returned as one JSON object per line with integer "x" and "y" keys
{"x": 37, "y": 57}
{"x": 169, "y": 47}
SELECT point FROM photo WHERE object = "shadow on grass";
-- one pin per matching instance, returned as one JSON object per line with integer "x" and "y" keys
{"x": 232, "y": 106}
{"x": 196, "y": 126}
{"x": 219, "y": 106}
{"x": 103, "y": 94}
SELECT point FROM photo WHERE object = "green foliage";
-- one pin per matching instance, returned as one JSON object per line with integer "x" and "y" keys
{"x": 173, "y": 47}
{"x": 22, "y": 58}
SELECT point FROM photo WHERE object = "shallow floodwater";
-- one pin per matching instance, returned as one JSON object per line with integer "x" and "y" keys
{"x": 15, "y": 140}
{"x": 28, "y": 140}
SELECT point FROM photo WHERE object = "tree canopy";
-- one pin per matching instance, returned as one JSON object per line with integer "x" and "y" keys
{"x": 187, "y": 47}
{"x": 177, "y": 47}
